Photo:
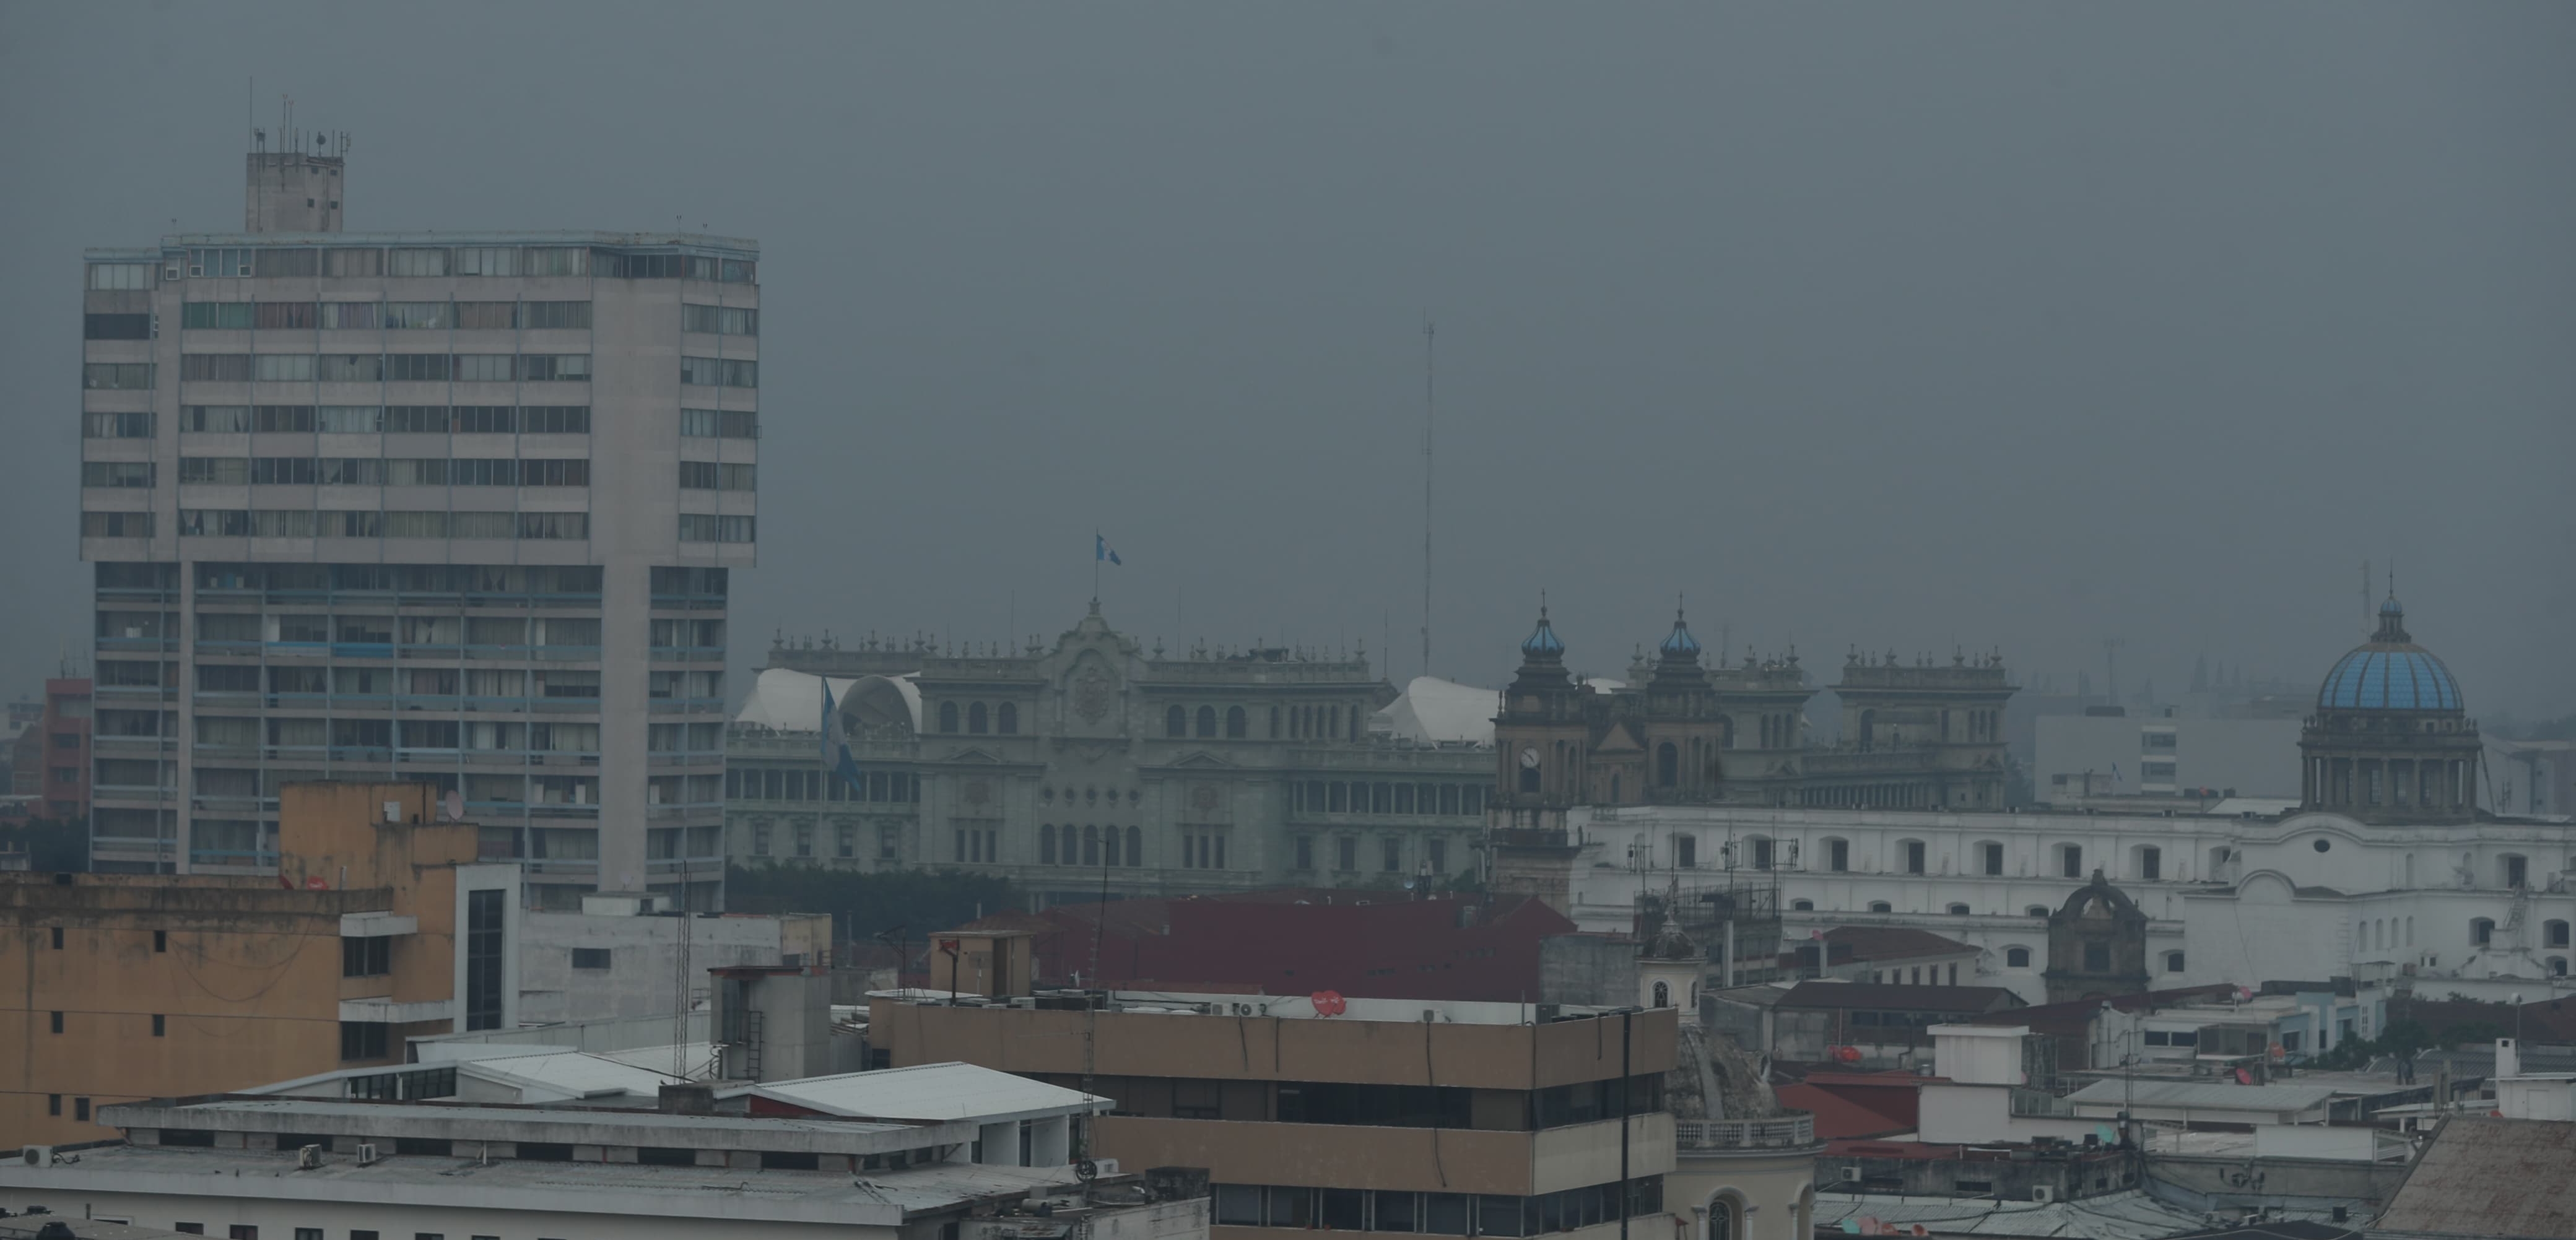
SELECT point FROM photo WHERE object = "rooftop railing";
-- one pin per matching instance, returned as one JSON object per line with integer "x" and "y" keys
{"x": 1780, "y": 1132}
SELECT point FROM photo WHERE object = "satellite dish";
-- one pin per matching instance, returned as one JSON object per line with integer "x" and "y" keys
{"x": 452, "y": 806}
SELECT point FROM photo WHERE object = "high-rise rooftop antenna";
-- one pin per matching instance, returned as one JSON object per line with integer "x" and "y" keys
{"x": 1430, "y": 369}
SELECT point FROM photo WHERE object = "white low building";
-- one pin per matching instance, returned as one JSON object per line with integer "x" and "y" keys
{"x": 2482, "y": 909}
{"x": 293, "y": 1166}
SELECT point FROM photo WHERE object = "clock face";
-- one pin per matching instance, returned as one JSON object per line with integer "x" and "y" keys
{"x": 1529, "y": 757}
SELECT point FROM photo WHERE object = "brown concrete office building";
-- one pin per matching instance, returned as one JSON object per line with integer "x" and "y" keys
{"x": 1444, "y": 1118}
{"x": 382, "y": 925}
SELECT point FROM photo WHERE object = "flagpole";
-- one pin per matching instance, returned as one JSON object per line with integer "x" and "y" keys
{"x": 1095, "y": 568}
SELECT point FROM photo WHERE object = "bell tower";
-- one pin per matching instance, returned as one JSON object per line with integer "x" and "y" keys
{"x": 1683, "y": 725}
{"x": 1540, "y": 738}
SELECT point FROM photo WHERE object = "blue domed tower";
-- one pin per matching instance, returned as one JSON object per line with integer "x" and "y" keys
{"x": 2391, "y": 739}
{"x": 1543, "y": 730}
{"x": 1683, "y": 725}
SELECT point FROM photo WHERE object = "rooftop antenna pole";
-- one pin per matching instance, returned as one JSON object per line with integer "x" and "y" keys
{"x": 1430, "y": 369}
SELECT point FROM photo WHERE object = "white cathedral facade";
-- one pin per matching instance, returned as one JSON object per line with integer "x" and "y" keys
{"x": 2385, "y": 870}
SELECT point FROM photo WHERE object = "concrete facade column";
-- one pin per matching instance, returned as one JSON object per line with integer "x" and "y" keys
{"x": 998, "y": 1145}
{"x": 1051, "y": 1141}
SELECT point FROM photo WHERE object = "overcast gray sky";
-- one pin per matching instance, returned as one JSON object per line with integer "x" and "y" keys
{"x": 2018, "y": 325}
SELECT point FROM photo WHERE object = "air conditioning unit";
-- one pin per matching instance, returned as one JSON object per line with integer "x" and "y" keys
{"x": 1851, "y": 1175}
{"x": 366, "y": 1153}
{"x": 308, "y": 1157}
{"x": 2042, "y": 1193}
{"x": 39, "y": 1155}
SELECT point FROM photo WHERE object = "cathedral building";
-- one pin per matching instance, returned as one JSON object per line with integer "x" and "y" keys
{"x": 2389, "y": 869}
{"x": 1916, "y": 735}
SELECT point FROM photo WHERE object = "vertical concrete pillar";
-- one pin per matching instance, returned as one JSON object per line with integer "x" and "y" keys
{"x": 1051, "y": 1141}
{"x": 1000, "y": 1144}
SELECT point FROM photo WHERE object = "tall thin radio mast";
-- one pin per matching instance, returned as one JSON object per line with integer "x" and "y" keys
{"x": 1429, "y": 369}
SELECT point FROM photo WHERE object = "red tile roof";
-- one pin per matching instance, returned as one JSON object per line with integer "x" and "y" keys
{"x": 1839, "y": 1117}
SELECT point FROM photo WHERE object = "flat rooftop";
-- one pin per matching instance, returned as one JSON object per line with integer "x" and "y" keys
{"x": 537, "y": 1125}
{"x": 931, "y": 1092}
{"x": 1288, "y": 1007}
{"x": 744, "y": 246}
{"x": 881, "y": 1198}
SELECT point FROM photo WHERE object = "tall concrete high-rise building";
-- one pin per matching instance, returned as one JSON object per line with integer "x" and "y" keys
{"x": 452, "y": 507}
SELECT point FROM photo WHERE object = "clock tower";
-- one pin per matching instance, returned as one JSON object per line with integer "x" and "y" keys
{"x": 1541, "y": 738}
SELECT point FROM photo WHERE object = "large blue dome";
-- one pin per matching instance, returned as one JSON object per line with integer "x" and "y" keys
{"x": 2390, "y": 672}
{"x": 2376, "y": 677}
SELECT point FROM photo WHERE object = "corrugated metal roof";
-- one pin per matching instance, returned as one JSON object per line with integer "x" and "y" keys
{"x": 933, "y": 1092}
{"x": 2116, "y": 1216}
{"x": 2202, "y": 1096}
{"x": 2491, "y": 1177}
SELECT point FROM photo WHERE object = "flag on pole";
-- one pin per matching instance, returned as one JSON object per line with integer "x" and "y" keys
{"x": 836, "y": 746}
{"x": 1101, "y": 550}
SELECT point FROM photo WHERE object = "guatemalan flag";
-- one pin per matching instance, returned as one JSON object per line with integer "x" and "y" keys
{"x": 836, "y": 745}
{"x": 1101, "y": 550}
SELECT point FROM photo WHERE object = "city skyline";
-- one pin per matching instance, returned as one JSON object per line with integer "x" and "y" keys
{"x": 1777, "y": 374}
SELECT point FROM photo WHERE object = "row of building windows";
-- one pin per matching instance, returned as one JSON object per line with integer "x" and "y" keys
{"x": 1004, "y": 718}
{"x": 706, "y": 528}
{"x": 383, "y": 315}
{"x": 234, "y": 262}
{"x": 1299, "y": 722}
{"x": 1335, "y": 797}
{"x": 363, "y": 629}
{"x": 845, "y": 840}
{"x": 1346, "y": 854}
{"x": 240, "y": 836}
{"x": 510, "y": 682}
{"x": 369, "y": 523}
{"x": 476, "y": 735}
{"x": 116, "y": 525}
{"x": 385, "y": 368}
{"x": 504, "y": 584}
{"x": 414, "y": 682}
{"x": 460, "y": 471}
{"x": 356, "y": 420}
{"x": 1914, "y": 857}
{"x": 1098, "y": 846}
{"x": 716, "y": 476}
{"x": 719, "y": 424}
{"x": 1437, "y": 1214}
{"x": 720, "y": 372}
{"x": 230, "y": 262}
{"x": 120, "y": 376}
{"x": 719, "y": 320}
{"x": 753, "y": 783}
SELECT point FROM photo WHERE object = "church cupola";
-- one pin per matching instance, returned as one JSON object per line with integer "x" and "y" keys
{"x": 1543, "y": 645}
{"x": 2391, "y": 739}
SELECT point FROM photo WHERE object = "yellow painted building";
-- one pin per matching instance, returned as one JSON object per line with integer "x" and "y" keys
{"x": 381, "y": 925}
